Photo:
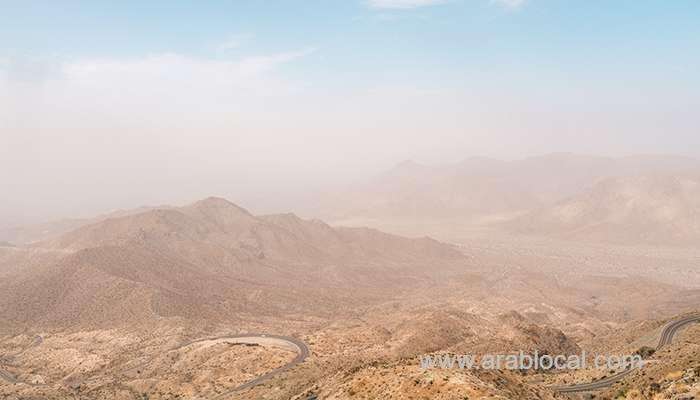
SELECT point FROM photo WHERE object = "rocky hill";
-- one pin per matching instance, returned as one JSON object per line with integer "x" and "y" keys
{"x": 214, "y": 260}
{"x": 653, "y": 209}
{"x": 478, "y": 187}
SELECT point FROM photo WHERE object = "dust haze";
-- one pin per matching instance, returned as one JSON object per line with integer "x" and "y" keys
{"x": 308, "y": 200}
{"x": 164, "y": 128}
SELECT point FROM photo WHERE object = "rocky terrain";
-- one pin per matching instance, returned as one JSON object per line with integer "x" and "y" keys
{"x": 37, "y": 232}
{"x": 672, "y": 373}
{"x": 211, "y": 260}
{"x": 122, "y": 308}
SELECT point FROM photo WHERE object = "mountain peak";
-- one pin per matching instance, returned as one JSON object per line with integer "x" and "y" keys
{"x": 217, "y": 203}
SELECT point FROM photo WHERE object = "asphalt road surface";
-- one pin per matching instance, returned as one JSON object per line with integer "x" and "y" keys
{"x": 6, "y": 376}
{"x": 302, "y": 354}
{"x": 666, "y": 338}
{"x": 667, "y": 335}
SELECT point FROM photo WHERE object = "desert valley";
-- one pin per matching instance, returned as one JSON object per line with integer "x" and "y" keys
{"x": 349, "y": 200}
{"x": 153, "y": 302}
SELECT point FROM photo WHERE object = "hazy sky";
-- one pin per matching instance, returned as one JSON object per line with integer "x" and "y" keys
{"x": 108, "y": 104}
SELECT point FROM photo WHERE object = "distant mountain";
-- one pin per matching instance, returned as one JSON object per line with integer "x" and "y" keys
{"x": 418, "y": 191}
{"x": 480, "y": 187}
{"x": 214, "y": 260}
{"x": 655, "y": 209}
{"x": 222, "y": 225}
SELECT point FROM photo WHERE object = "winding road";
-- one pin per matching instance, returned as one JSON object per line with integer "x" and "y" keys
{"x": 9, "y": 378}
{"x": 302, "y": 353}
{"x": 300, "y": 347}
{"x": 667, "y": 334}
{"x": 6, "y": 376}
{"x": 302, "y": 350}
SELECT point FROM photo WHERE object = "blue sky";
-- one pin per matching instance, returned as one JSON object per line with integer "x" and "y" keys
{"x": 197, "y": 95}
{"x": 375, "y": 40}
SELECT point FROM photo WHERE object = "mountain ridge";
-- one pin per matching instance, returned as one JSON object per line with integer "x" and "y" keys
{"x": 206, "y": 259}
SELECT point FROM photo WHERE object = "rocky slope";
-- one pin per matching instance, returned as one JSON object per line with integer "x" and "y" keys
{"x": 213, "y": 260}
{"x": 652, "y": 209}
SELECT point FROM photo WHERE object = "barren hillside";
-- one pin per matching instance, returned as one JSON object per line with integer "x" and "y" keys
{"x": 107, "y": 310}
{"x": 479, "y": 187}
{"x": 211, "y": 260}
{"x": 651, "y": 209}
{"x": 31, "y": 233}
